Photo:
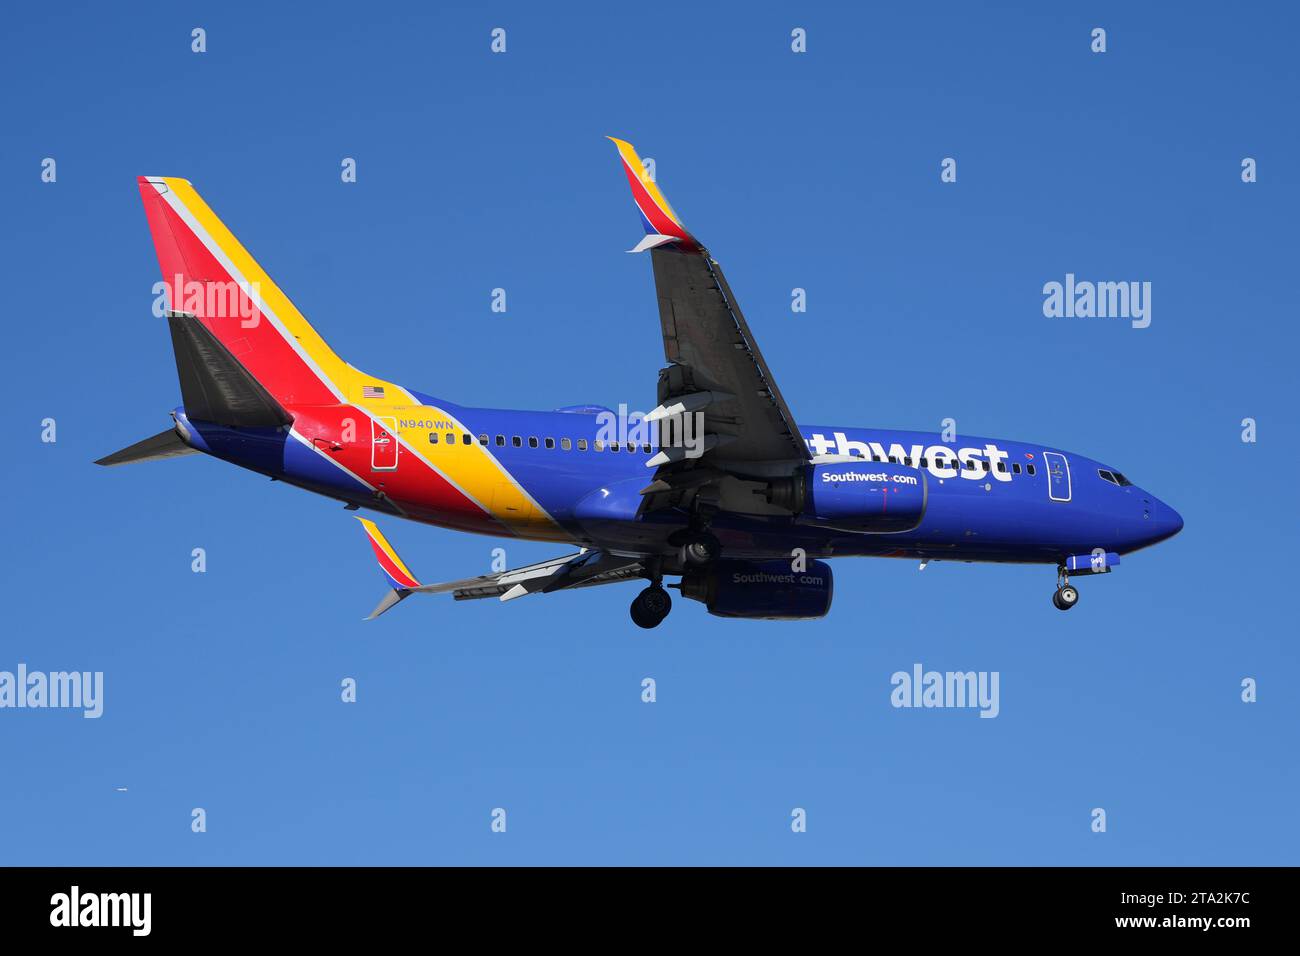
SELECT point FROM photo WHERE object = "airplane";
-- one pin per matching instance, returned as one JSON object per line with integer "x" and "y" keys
{"x": 718, "y": 485}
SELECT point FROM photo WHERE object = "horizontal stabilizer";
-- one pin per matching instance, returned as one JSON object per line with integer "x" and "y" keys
{"x": 215, "y": 387}
{"x": 166, "y": 444}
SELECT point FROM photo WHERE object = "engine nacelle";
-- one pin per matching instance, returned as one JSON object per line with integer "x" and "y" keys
{"x": 871, "y": 497}
{"x": 767, "y": 590}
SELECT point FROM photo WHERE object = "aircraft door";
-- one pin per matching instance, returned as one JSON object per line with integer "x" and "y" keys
{"x": 1058, "y": 476}
{"x": 383, "y": 444}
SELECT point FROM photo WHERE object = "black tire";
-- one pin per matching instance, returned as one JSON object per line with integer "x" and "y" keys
{"x": 1065, "y": 597}
{"x": 639, "y": 617}
{"x": 650, "y": 607}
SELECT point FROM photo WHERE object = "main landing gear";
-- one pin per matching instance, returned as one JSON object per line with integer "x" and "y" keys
{"x": 1066, "y": 596}
{"x": 651, "y": 606}
{"x": 696, "y": 548}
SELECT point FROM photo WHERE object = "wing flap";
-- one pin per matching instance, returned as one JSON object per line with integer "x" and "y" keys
{"x": 716, "y": 369}
{"x": 575, "y": 570}
{"x": 705, "y": 334}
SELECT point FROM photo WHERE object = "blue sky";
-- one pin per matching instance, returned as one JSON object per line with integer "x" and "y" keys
{"x": 816, "y": 170}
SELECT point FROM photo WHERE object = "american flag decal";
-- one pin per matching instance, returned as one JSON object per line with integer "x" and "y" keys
{"x": 372, "y": 391}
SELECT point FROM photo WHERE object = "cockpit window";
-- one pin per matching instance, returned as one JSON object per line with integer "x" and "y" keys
{"x": 1121, "y": 479}
{"x": 1106, "y": 475}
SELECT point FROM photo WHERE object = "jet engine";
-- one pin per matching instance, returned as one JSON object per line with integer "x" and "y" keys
{"x": 768, "y": 590}
{"x": 870, "y": 497}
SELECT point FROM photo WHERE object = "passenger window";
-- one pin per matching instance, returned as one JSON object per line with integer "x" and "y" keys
{"x": 566, "y": 444}
{"x": 582, "y": 444}
{"x": 482, "y": 439}
{"x": 550, "y": 443}
{"x": 1002, "y": 467}
{"x": 631, "y": 448}
{"x": 924, "y": 463}
{"x": 614, "y": 446}
{"x": 646, "y": 448}
{"x": 517, "y": 441}
{"x": 467, "y": 439}
{"x": 532, "y": 442}
{"x": 1015, "y": 466}
{"x": 501, "y": 441}
{"x": 433, "y": 438}
{"x": 597, "y": 445}
{"x": 1029, "y": 468}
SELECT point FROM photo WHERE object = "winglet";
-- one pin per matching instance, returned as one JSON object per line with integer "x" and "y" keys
{"x": 395, "y": 570}
{"x": 661, "y": 224}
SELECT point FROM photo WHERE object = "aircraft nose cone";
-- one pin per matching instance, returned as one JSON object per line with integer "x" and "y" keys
{"x": 1165, "y": 522}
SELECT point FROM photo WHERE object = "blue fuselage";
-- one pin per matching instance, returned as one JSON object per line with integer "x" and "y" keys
{"x": 986, "y": 499}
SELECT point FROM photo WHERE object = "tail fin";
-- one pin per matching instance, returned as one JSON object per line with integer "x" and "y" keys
{"x": 397, "y": 573}
{"x": 209, "y": 275}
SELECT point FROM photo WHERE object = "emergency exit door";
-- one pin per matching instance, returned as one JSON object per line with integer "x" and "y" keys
{"x": 383, "y": 444}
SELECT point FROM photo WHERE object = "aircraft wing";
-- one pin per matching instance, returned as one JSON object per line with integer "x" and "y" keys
{"x": 716, "y": 367}
{"x": 584, "y": 569}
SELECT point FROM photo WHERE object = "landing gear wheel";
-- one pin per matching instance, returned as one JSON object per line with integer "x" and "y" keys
{"x": 1065, "y": 597}
{"x": 700, "y": 550}
{"x": 651, "y": 606}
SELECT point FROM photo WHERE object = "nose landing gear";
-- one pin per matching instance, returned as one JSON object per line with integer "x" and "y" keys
{"x": 1065, "y": 596}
